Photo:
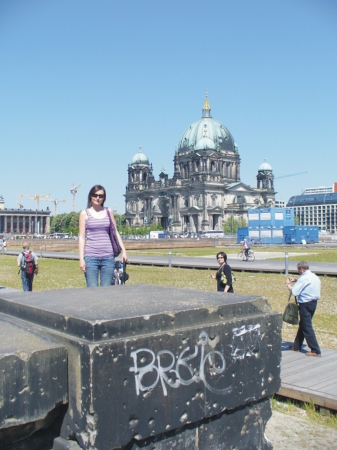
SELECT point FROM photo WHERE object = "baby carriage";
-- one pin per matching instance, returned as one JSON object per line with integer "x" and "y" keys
{"x": 120, "y": 275}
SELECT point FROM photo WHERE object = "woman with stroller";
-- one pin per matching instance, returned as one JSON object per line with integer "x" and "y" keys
{"x": 96, "y": 255}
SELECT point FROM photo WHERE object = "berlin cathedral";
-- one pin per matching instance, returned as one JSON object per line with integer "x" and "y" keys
{"x": 205, "y": 189}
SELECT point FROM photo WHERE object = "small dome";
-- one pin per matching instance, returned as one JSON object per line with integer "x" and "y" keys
{"x": 264, "y": 166}
{"x": 140, "y": 158}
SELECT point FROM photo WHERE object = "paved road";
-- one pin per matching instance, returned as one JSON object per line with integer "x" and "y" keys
{"x": 205, "y": 262}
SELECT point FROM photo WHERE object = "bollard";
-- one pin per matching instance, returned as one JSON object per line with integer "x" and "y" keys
{"x": 170, "y": 258}
{"x": 286, "y": 263}
{"x": 40, "y": 251}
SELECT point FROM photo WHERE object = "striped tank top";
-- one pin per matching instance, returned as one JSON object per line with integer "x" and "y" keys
{"x": 98, "y": 243}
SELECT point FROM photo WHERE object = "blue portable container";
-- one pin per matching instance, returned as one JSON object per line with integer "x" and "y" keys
{"x": 301, "y": 234}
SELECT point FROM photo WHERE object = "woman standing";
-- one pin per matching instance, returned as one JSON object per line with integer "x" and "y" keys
{"x": 96, "y": 255}
{"x": 223, "y": 275}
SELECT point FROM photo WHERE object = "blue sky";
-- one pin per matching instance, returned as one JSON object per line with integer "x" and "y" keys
{"x": 84, "y": 83}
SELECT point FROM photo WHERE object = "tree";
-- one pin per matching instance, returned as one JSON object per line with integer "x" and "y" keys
{"x": 143, "y": 230}
{"x": 65, "y": 223}
{"x": 232, "y": 224}
{"x": 297, "y": 220}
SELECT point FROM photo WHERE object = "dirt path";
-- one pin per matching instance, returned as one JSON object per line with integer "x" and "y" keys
{"x": 287, "y": 432}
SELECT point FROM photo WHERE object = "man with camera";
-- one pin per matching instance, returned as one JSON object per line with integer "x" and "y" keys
{"x": 307, "y": 289}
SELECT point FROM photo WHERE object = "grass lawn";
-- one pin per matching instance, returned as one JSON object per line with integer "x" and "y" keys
{"x": 314, "y": 254}
{"x": 64, "y": 274}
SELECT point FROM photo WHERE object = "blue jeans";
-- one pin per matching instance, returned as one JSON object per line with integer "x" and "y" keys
{"x": 305, "y": 328}
{"x": 104, "y": 267}
{"x": 27, "y": 281}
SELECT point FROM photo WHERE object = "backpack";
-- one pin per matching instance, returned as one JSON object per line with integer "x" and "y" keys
{"x": 27, "y": 263}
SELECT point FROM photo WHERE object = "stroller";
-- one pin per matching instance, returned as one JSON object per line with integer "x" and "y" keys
{"x": 120, "y": 275}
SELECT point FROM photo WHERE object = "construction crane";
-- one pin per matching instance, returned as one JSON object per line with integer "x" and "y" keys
{"x": 56, "y": 202}
{"x": 290, "y": 175}
{"x": 18, "y": 203}
{"x": 37, "y": 198}
{"x": 74, "y": 192}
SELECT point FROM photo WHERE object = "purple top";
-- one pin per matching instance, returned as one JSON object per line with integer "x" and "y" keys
{"x": 98, "y": 243}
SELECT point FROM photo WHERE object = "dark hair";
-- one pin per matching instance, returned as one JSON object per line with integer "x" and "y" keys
{"x": 303, "y": 265}
{"x": 222, "y": 254}
{"x": 92, "y": 191}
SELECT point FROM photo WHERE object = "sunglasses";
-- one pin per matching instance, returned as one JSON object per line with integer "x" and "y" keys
{"x": 98, "y": 196}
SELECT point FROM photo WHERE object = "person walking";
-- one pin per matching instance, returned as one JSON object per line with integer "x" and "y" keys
{"x": 307, "y": 289}
{"x": 4, "y": 244}
{"x": 96, "y": 255}
{"x": 223, "y": 275}
{"x": 27, "y": 261}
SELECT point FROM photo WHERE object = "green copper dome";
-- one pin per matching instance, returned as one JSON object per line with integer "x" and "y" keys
{"x": 264, "y": 166}
{"x": 207, "y": 133}
{"x": 140, "y": 158}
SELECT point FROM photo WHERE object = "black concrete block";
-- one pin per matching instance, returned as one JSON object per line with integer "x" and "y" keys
{"x": 241, "y": 429}
{"x": 33, "y": 379}
{"x": 148, "y": 361}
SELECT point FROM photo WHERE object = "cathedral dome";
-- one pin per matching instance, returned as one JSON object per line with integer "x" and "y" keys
{"x": 207, "y": 133}
{"x": 140, "y": 158}
{"x": 264, "y": 166}
{"x": 205, "y": 143}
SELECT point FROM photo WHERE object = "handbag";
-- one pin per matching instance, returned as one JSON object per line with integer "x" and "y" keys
{"x": 116, "y": 248}
{"x": 290, "y": 314}
{"x": 223, "y": 278}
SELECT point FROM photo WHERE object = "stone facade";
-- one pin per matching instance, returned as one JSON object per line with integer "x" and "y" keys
{"x": 205, "y": 188}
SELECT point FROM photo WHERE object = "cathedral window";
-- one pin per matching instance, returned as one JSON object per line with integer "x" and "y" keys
{"x": 213, "y": 200}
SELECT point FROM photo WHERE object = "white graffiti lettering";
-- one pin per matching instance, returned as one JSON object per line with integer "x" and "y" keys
{"x": 147, "y": 364}
{"x": 246, "y": 341}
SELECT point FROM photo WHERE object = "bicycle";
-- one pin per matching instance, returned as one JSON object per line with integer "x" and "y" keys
{"x": 242, "y": 256}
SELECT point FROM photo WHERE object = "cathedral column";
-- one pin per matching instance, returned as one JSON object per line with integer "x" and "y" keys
{"x": 150, "y": 210}
{"x": 137, "y": 213}
{"x": 176, "y": 210}
{"x": 47, "y": 231}
{"x": 146, "y": 209}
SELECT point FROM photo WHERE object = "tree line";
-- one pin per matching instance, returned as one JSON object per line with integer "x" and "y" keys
{"x": 68, "y": 223}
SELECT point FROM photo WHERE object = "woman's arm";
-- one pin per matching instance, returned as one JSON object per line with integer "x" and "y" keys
{"x": 124, "y": 255}
{"x": 81, "y": 239}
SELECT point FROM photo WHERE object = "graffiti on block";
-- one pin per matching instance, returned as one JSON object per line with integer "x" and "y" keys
{"x": 192, "y": 366}
{"x": 246, "y": 341}
{"x": 172, "y": 374}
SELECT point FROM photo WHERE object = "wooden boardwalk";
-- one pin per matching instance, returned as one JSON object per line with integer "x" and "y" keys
{"x": 309, "y": 379}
